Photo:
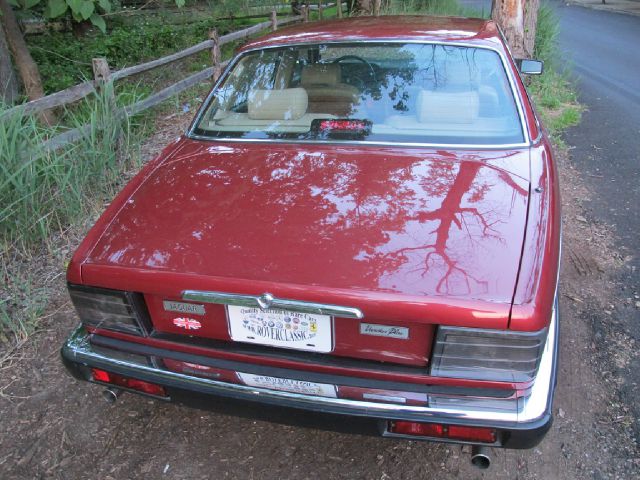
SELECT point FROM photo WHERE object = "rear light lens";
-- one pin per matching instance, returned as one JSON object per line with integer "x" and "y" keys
{"x": 417, "y": 429}
{"x": 472, "y": 434}
{"x": 494, "y": 355}
{"x": 453, "y": 432}
{"x": 110, "y": 309}
{"x": 125, "y": 382}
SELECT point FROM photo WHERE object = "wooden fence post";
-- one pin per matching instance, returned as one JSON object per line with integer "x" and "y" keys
{"x": 101, "y": 72}
{"x": 339, "y": 7}
{"x": 274, "y": 20}
{"x": 305, "y": 13}
{"x": 102, "y": 77}
{"x": 215, "y": 54}
{"x": 319, "y": 9}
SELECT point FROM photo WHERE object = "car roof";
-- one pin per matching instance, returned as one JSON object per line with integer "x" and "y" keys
{"x": 474, "y": 31}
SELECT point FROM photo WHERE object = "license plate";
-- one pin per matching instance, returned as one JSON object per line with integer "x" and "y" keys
{"x": 279, "y": 328}
{"x": 288, "y": 385}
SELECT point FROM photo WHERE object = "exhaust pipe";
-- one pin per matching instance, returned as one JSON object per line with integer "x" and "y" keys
{"x": 111, "y": 394}
{"x": 480, "y": 457}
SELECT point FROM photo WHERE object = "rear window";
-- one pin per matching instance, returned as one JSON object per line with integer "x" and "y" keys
{"x": 405, "y": 93}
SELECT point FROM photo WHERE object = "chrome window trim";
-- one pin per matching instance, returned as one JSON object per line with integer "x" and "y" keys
{"x": 266, "y": 301}
{"x": 516, "y": 98}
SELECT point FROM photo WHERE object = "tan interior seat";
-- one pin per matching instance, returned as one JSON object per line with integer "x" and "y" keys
{"x": 286, "y": 104}
{"x": 277, "y": 110}
{"x": 440, "y": 111}
{"x": 327, "y": 93}
{"x": 439, "y": 107}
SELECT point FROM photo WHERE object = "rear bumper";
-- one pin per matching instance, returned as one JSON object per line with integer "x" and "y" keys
{"x": 521, "y": 422}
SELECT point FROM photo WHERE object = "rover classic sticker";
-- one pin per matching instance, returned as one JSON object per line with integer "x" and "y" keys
{"x": 280, "y": 328}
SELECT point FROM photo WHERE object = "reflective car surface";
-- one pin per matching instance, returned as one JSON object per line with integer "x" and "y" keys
{"x": 362, "y": 222}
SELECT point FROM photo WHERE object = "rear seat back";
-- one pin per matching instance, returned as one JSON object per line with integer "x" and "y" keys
{"x": 434, "y": 106}
{"x": 286, "y": 104}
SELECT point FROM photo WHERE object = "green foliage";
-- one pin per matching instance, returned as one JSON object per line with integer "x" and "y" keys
{"x": 80, "y": 10}
{"x": 65, "y": 60}
{"x": 43, "y": 191}
{"x": 547, "y": 30}
{"x": 553, "y": 92}
{"x": 434, "y": 7}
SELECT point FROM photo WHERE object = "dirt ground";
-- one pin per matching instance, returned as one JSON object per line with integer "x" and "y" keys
{"x": 55, "y": 427}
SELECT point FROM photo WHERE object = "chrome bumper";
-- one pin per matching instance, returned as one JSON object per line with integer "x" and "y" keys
{"x": 528, "y": 412}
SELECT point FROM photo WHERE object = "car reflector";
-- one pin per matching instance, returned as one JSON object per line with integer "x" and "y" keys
{"x": 130, "y": 383}
{"x": 472, "y": 434}
{"x": 418, "y": 429}
{"x": 453, "y": 432}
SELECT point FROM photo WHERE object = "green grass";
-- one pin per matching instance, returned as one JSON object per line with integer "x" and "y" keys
{"x": 553, "y": 92}
{"x": 65, "y": 60}
{"x": 43, "y": 192}
{"x": 433, "y": 7}
{"x": 21, "y": 305}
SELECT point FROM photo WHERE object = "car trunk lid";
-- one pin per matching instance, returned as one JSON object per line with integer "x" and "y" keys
{"x": 412, "y": 237}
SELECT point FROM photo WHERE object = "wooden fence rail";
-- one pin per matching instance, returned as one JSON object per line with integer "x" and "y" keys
{"x": 80, "y": 91}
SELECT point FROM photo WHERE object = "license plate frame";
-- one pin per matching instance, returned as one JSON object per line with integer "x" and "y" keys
{"x": 289, "y": 385}
{"x": 307, "y": 332}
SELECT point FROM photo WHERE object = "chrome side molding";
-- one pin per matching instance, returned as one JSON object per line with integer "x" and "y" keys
{"x": 267, "y": 301}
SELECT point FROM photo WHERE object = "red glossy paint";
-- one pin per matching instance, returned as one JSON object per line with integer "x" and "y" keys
{"x": 348, "y": 342}
{"x": 409, "y": 28}
{"x": 382, "y": 373}
{"x": 415, "y": 236}
{"x": 536, "y": 290}
{"x": 393, "y": 225}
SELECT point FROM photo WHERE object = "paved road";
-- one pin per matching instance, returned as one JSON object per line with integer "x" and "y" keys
{"x": 602, "y": 49}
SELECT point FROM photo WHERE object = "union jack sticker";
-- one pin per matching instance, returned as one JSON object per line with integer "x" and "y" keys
{"x": 187, "y": 323}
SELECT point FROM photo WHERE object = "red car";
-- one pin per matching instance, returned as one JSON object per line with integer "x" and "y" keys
{"x": 360, "y": 230}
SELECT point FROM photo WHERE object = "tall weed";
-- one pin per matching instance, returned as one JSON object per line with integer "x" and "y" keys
{"x": 433, "y": 7}
{"x": 42, "y": 192}
{"x": 553, "y": 91}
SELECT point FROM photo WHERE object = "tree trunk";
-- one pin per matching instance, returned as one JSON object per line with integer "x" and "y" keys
{"x": 8, "y": 80}
{"x": 363, "y": 7}
{"x": 517, "y": 19}
{"x": 27, "y": 68}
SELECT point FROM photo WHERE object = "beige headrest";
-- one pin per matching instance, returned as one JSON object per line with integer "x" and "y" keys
{"x": 460, "y": 74}
{"x": 447, "y": 107}
{"x": 321, "y": 74}
{"x": 286, "y": 104}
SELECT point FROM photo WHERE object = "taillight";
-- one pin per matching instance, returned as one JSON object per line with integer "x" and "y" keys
{"x": 125, "y": 382}
{"x": 480, "y": 354}
{"x": 110, "y": 309}
{"x": 436, "y": 430}
{"x": 417, "y": 429}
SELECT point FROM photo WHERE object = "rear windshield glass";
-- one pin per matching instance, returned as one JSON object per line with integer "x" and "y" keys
{"x": 406, "y": 93}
